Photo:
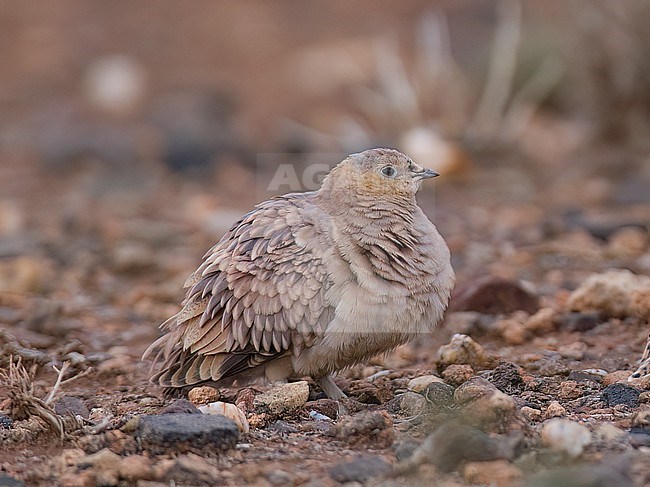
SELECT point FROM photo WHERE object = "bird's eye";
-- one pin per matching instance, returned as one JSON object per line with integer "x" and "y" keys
{"x": 389, "y": 171}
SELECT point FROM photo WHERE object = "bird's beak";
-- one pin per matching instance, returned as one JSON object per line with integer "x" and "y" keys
{"x": 422, "y": 173}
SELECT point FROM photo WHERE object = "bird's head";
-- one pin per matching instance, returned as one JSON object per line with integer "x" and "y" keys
{"x": 378, "y": 173}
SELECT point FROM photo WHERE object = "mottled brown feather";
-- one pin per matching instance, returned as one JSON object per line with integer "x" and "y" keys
{"x": 244, "y": 299}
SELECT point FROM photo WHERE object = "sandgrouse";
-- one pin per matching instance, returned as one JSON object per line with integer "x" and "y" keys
{"x": 307, "y": 284}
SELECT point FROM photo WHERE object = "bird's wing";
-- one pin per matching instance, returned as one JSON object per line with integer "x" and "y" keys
{"x": 258, "y": 293}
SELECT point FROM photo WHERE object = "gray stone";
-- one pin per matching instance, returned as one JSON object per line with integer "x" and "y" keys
{"x": 578, "y": 321}
{"x": 7, "y": 481}
{"x": 585, "y": 476}
{"x": 368, "y": 429}
{"x": 585, "y": 376}
{"x": 618, "y": 393}
{"x": 183, "y": 431}
{"x": 282, "y": 427}
{"x": 361, "y": 469}
{"x": 405, "y": 449}
{"x": 412, "y": 404}
{"x": 474, "y": 389}
{"x": 71, "y": 406}
{"x": 454, "y": 443}
{"x": 439, "y": 396}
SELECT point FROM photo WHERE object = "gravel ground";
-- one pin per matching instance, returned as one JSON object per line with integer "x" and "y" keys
{"x": 524, "y": 384}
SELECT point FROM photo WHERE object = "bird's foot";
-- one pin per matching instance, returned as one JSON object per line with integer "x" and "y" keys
{"x": 347, "y": 405}
{"x": 330, "y": 388}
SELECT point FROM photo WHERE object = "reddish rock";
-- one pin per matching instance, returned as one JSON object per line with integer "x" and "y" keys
{"x": 494, "y": 295}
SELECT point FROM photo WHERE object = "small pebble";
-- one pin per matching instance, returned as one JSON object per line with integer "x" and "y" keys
{"x": 490, "y": 412}
{"x": 541, "y": 322}
{"x": 566, "y": 436}
{"x": 228, "y": 410}
{"x": 326, "y": 407}
{"x": 462, "y": 349}
{"x": 369, "y": 429}
{"x": 135, "y": 467}
{"x": 577, "y": 321}
{"x": 105, "y": 464}
{"x": 617, "y": 376}
{"x": 627, "y": 242}
{"x": 282, "y": 427}
{"x": 412, "y": 404}
{"x": 554, "y": 410}
{"x": 498, "y": 473}
{"x": 639, "y": 440}
{"x": 608, "y": 432}
{"x": 508, "y": 378}
{"x": 512, "y": 331}
{"x": 316, "y": 416}
{"x": 439, "y": 395}
{"x": 531, "y": 414}
{"x": 180, "y": 406}
{"x": 457, "y": 374}
{"x": 552, "y": 366}
{"x": 283, "y": 399}
{"x": 5, "y": 421}
{"x": 570, "y": 389}
{"x": 203, "y": 395}
{"x": 360, "y": 469}
{"x": 573, "y": 351}
{"x": 473, "y": 389}
{"x": 71, "y": 406}
{"x": 609, "y": 293}
{"x": 405, "y": 448}
{"x": 581, "y": 476}
{"x": 245, "y": 399}
{"x": 641, "y": 420}
{"x": 453, "y": 443}
{"x": 192, "y": 467}
{"x": 420, "y": 383}
{"x": 585, "y": 376}
{"x": 599, "y": 372}
{"x": 280, "y": 477}
{"x": 26, "y": 275}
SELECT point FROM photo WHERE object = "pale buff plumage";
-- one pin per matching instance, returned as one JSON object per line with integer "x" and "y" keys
{"x": 310, "y": 283}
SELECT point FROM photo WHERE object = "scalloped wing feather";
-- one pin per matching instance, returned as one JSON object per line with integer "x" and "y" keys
{"x": 258, "y": 293}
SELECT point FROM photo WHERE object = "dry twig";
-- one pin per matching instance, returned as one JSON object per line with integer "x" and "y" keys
{"x": 20, "y": 386}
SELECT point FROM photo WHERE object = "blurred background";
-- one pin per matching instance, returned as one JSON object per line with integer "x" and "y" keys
{"x": 132, "y": 134}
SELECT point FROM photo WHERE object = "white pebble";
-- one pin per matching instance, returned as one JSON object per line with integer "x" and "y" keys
{"x": 228, "y": 410}
{"x": 567, "y": 436}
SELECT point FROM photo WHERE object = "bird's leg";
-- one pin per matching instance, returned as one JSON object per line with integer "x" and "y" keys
{"x": 346, "y": 404}
{"x": 330, "y": 388}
